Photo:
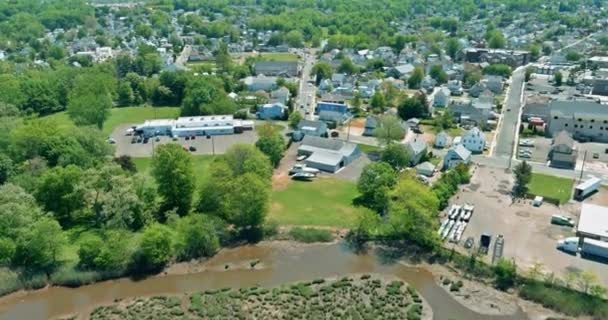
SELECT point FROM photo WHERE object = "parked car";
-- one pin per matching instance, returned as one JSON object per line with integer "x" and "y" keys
{"x": 469, "y": 243}
{"x": 146, "y": 139}
{"x": 562, "y": 220}
{"x": 596, "y": 155}
{"x": 187, "y": 138}
{"x": 134, "y": 140}
{"x": 193, "y": 137}
{"x": 335, "y": 134}
{"x": 111, "y": 140}
{"x": 157, "y": 139}
{"x": 192, "y": 148}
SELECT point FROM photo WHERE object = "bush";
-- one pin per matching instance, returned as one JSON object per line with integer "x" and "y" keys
{"x": 309, "y": 235}
{"x": 561, "y": 299}
{"x": 9, "y": 281}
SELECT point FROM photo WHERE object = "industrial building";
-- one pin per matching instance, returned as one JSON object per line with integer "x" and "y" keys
{"x": 328, "y": 155}
{"x": 190, "y": 126}
{"x": 585, "y": 120}
{"x": 593, "y": 222}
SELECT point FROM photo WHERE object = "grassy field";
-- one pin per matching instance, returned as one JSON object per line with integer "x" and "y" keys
{"x": 199, "y": 162}
{"x": 367, "y": 148}
{"x": 551, "y": 187}
{"x": 278, "y": 56}
{"x": 323, "y": 202}
{"x": 119, "y": 116}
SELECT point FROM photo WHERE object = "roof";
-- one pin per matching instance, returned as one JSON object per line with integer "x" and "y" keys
{"x": 474, "y": 132}
{"x": 314, "y": 125}
{"x": 462, "y": 152}
{"x": 588, "y": 183}
{"x": 572, "y": 108}
{"x": 563, "y": 137}
{"x": 442, "y": 134}
{"x": 315, "y": 144}
{"x": 593, "y": 220}
{"x": 416, "y": 146}
{"x": 371, "y": 122}
{"x": 405, "y": 68}
{"x": 325, "y": 157}
{"x": 426, "y": 166}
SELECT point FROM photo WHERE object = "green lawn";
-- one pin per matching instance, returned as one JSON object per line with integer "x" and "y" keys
{"x": 200, "y": 164}
{"x": 367, "y": 148}
{"x": 551, "y": 187}
{"x": 119, "y": 116}
{"x": 278, "y": 56}
{"x": 322, "y": 202}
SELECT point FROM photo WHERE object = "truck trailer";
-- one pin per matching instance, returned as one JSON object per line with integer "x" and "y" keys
{"x": 590, "y": 247}
{"x": 587, "y": 187}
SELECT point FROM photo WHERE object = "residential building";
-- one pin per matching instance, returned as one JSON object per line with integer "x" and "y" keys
{"x": 277, "y": 68}
{"x": 584, "y": 120}
{"x": 536, "y": 106}
{"x": 280, "y": 95}
{"x": 456, "y": 154}
{"x": 513, "y": 58}
{"x": 442, "y": 140}
{"x": 261, "y": 82}
{"x": 371, "y": 123}
{"x": 455, "y": 87}
{"x": 474, "y": 140}
{"x": 416, "y": 149}
{"x": 328, "y": 154}
{"x": 401, "y": 71}
{"x": 441, "y": 98}
{"x": 426, "y": 169}
{"x": 467, "y": 112}
{"x": 333, "y": 98}
{"x": 563, "y": 153}
{"x": 477, "y": 89}
{"x": 493, "y": 83}
{"x": 272, "y": 111}
{"x": 598, "y": 61}
{"x": 330, "y": 106}
{"x": 313, "y": 128}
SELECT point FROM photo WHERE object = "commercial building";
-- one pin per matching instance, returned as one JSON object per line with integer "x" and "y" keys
{"x": 585, "y": 120}
{"x": 593, "y": 222}
{"x": 328, "y": 154}
{"x": 513, "y": 58}
{"x": 189, "y": 126}
{"x": 277, "y": 68}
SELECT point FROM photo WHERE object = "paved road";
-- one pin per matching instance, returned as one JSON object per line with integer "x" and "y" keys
{"x": 180, "y": 61}
{"x": 507, "y": 134}
{"x": 307, "y": 92}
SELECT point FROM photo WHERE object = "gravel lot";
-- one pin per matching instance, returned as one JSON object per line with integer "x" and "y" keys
{"x": 529, "y": 235}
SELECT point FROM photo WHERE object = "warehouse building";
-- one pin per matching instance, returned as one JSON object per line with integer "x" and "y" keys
{"x": 328, "y": 154}
{"x": 193, "y": 126}
{"x": 585, "y": 120}
{"x": 593, "y": 222}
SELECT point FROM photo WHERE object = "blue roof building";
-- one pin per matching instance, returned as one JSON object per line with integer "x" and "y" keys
{"x": 330, "y": 106}
{"x": 271, "y": 111}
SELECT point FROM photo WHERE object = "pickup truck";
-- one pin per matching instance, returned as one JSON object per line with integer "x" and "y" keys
{"x": 300, "y": 168}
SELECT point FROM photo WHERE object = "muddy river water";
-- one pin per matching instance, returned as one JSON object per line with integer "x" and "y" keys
{"x": 277, "y": 265}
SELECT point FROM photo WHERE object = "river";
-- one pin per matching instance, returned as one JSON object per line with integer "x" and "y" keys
{"x": 278, "y": 264}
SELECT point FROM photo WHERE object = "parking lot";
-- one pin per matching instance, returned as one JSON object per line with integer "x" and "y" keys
{"x": 529, "y": 235}
{"x": 537, "y": 153}
{"x": 203, "y": 145}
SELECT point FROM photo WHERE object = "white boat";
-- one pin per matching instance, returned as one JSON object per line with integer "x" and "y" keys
{"x": 447, "y": 229}
{"x": 444, "y": 224}
{"x": 468, "y": 212}
{"x": 455, "y": 212}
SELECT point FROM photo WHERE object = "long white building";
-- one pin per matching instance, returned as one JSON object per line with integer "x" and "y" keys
{"x": 196, "y": 125}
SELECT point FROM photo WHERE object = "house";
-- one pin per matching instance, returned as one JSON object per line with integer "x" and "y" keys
{"x": 513, "y": 58}
{"x": 493, "y": 83}
{"x": 441, "y": 98}
{"x": 272, "y": 111}
{"x": 455, "y": 87}
{"x": 584, "y": 120}
{"x": 563, "y": 153}
{"x": 331, "y": 106}
{"x": 426, "y": 169}
{"x": 371, "y": 123}
{"x": 277, "y": 68}
{"x": 280, "y": 95}
{"x": 333, "y": 98}
{"x": 334, "y": 118}
{"x": 442, "y": 140}
{"x": 412, "y": 123}
{"x": 474, "y": 140}
{"x": 338, "y": 79}
{"x": 328, "y": 154}
{"x": 477, "y": 89}
{"x": 255, "y": 83}
{"x": 456, "y": 154}
{"x": 401, "y": 71}
{"x": 312, "y": 128}
{"x": 428, "y": 83}
{"x": 466, "y": 112}
{"x": 416, "y": 150}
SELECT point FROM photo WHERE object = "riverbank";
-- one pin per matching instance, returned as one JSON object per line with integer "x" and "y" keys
{"x": 267, "y": 264}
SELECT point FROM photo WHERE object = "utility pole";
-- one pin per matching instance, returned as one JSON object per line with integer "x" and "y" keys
{"x": 583, "y": 167}
{"x": 348, "y": 130}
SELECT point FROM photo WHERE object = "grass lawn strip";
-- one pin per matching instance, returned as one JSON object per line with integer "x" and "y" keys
{"x": 551, "y": 187}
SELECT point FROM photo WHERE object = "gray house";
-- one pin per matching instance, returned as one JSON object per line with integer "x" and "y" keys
{"x": 260, "y": 83}
{"x": 313, "y": 128}
{"x": 328, "y": 155}
{"x": 456, "y": 154}
{"x": 416, "y": 150}
{"x": 371, "y": 123}
{"x": 563, "y": 153}
{"x": 277, "y": 68}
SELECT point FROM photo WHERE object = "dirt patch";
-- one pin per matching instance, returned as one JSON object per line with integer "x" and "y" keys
{"x": 523, "y": 214}
{"x": 280, "y": 181}
{"x": 358, "y": 123}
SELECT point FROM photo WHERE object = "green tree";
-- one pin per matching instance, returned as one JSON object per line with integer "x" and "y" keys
{"x": 412, "y": 107}
{"x": 89, "y": 250}
{"x": 558, "y": 78}
{"x": 60, "y": 190}
{"x": 573, "y": 56}
{"x": 445, "y": 120}
{"x": 452, "y": 48}
{"x": 39, "y": 247}
{"x": 155, "y": 248}
{"x": 172, "y": 169}
{"x": 90, "y": 100}
{"x": 495, "y": 39}
{"x": 436, "y": 72}
{"x": 347, "y": 66}
{"x": 196, "y": 237}
{"x": 248, "y": 202}
{"x": 322, "y": 70}
{"x": 294, "y": 119}
{"x": 389, "y": 129}
{"x": 498, "y": 69}
{"x": 222, "y": 57}
{"x": 294, "y": 39}
{"x": 396, "y": 156}
{"x": 523, "y": 175}
{"x": 505, "y": 274}
{"x": 243, "y": 158}
{"x": 271, "y": 143}
{"x": 528, "y": 74}
{"x": 375, "y": 183}
{"x": 414, "y": 80}
{"x": 378, "y": 103}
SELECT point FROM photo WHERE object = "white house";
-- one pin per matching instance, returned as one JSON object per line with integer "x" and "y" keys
{"x": 455, "y": 87}
{"x": 441, "y": 98}
{"x": 442, "y": 140}
{"x": 474, "y": 140}
{"x": 456, "y": 154}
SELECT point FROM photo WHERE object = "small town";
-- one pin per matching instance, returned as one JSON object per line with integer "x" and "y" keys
{"x": 284, "y": 159}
